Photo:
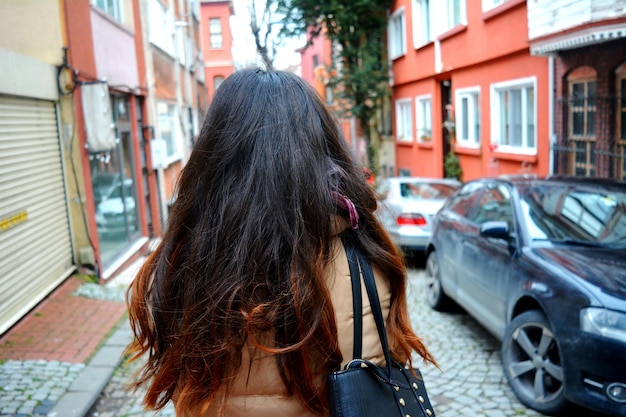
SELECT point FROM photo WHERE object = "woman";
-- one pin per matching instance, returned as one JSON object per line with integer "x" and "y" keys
{"x": 246, "y": 304}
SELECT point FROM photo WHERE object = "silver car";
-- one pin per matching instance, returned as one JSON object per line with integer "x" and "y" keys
{"x": 406, "y": 205}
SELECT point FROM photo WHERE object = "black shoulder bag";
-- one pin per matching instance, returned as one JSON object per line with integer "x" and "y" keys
{"x": 363, "y": 389}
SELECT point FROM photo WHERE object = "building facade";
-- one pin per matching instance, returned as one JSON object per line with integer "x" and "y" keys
{"x": 100, "y": 102}
{"x": 217, "y": 42}
{"x": 40, "y": 208}
{"x": 316, "y": 63}
{"x": 316, "y": 59}
{"x": 586, "y": 44}
{"x": 469, "y": 99}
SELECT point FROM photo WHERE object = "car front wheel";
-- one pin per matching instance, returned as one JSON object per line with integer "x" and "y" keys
{"x": 532, "y": 363}
{"x": 436, "y": 298}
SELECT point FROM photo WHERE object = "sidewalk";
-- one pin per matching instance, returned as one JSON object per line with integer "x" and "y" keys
{"x": 56, "y": 361}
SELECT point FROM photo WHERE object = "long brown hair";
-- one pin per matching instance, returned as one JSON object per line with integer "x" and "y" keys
{"x": 246, "y": 247}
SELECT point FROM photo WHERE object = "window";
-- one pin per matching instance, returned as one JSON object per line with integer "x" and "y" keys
{"x": 111, "y": 7}
{"x": 490, "y": 4}
{"x": 421, "y": 23}
{"x": 404, "y": 124}
{"x": 582, "y": 107}
{"x": 397, "y": 41}
{"x": 468, "y": 116}
{"x": 494, "y": 205}
{"x": 621, "y": 128}
{"x": 159, "y": 26}
{"x": 582, "y": 125}
{"x": 215, "y": 32}
{"x": 217, "y": 81}
{"x": 330, "y": 95}
{"x": 513, "y": 115}
{"x": 424, "y": 118}
{"x": 463, "y": 203}
{"x": 167, "y": 128}
{"x": 455, "y": 13}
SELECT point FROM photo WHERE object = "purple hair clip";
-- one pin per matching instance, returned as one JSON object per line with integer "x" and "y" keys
{"x": 347, "y": 204}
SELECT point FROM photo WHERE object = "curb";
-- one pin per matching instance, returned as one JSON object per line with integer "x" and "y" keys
{"x": 86, "y": 389}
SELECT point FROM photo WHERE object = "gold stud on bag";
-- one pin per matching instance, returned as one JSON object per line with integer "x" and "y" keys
{"x": 363, "y": 389}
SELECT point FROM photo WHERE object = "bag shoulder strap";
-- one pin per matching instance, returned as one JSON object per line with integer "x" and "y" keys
{"x": 356, "y": 259}
{"x": 357, "y": 306}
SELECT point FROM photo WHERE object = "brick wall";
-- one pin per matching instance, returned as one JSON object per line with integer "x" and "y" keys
{"x": 604, "y": 58}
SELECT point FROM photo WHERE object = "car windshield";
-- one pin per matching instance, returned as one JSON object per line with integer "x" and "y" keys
{"x": 575, "y": 214}
{"x": 425, "y": 190}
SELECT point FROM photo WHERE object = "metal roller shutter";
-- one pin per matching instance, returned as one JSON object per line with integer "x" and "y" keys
{"x": 35, "y": 246}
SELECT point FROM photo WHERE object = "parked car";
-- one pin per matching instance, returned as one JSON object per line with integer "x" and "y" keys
{"x": 104, "y": 183}
{"x": 406, "y": 205}
{"x": 541, "y": 264}
{"x": 116, "y": 210}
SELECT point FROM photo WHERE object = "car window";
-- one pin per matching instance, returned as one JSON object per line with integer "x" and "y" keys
{"x": 416, "y": 190}
{"x": 494, "y": 205}
{"x": 580, "y": 213}
{"x": 465, "y": 200}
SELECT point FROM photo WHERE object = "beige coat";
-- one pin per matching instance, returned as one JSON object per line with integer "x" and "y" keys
{"x": 258, "y": 390}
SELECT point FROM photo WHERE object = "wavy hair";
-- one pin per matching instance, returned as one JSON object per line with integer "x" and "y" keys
{"x": 247, "y": 245}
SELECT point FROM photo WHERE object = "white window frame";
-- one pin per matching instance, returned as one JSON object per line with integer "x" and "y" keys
{"x": 450, "y": 5}
{"x": 492, "y": 4}
{"x": 216, "y": 33}
{"x": 441, "y": 16}
{"x": 168, "y": 130}
{"x": 404, "y": 122}
{"x": 160, "y": 26}
{"x": 423, "y": 117}
{"x": 496, "y": 90}
{"x": 422, "y": 30}
{"x": 472, "y": 138}
{"x": 397, "y": 34}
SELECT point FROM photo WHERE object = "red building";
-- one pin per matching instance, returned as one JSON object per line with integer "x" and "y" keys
{"x": 217, "y": 42}
{"x": 466, "y": 88}
{"x": 316, "y": 66}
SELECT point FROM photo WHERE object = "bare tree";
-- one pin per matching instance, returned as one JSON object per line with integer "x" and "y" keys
{"x": 265, "y": 23}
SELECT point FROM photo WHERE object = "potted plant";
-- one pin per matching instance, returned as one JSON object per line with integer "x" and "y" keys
{"x": 452, "y": 166}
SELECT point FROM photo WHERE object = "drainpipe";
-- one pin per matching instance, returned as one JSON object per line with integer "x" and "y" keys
{"x": 551, "y": 133}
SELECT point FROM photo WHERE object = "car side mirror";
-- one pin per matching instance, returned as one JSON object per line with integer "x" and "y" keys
{"x": 496, "y": 229}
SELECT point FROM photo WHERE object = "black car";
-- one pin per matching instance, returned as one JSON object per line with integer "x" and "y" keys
{"x": 541, "y": 264}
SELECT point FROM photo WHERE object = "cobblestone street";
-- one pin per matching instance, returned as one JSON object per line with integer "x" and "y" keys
{"x": 469, "y": 383}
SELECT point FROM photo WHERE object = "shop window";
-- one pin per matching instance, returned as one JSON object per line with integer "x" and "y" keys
{"x": 114, "y": 187}
{"x": 468, "y": 117}
{"x": 513, "y": 116}
{"x": 424, "y": 118}
{"x": 397, "y": 39}
{"x": 404, "y": 122}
